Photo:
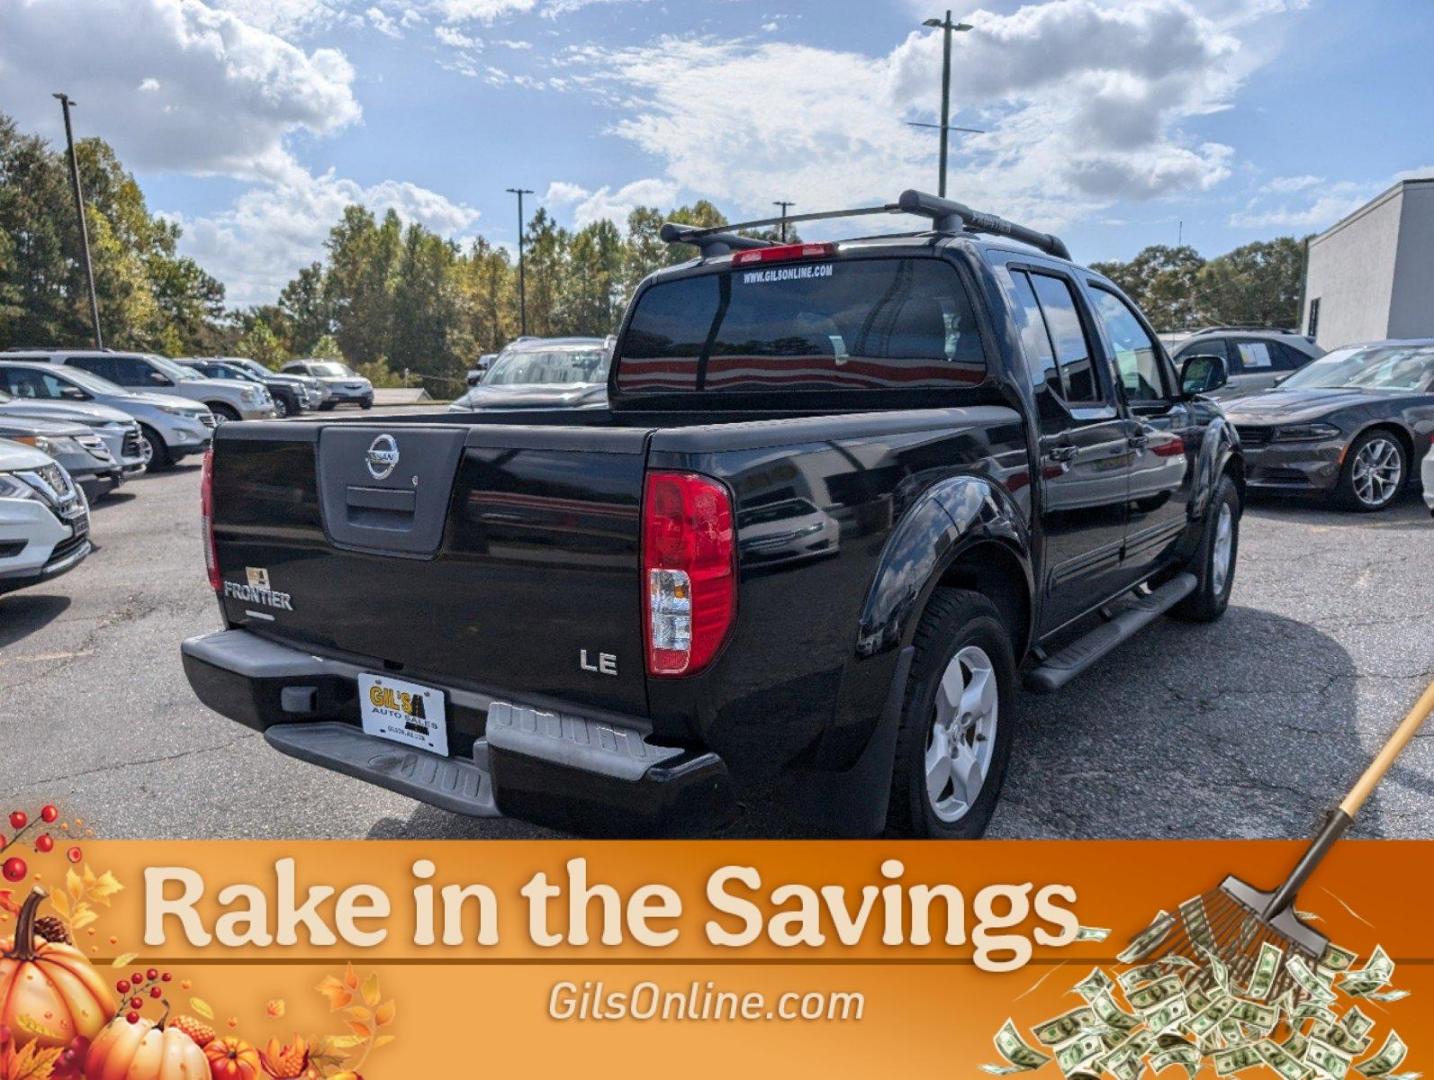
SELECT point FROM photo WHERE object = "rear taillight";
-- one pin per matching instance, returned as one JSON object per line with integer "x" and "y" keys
{"x": 784, "y": 253}
{"x": 206, "y": 520}
{"x": 688, "y": 569}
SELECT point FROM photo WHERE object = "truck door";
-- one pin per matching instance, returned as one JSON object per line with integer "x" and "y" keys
{"x": 1084, "y": 448}
{"x": 1164, "y": 438}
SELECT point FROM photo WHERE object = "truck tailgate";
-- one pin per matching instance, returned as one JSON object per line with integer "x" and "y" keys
{"x": 492, "y": 556}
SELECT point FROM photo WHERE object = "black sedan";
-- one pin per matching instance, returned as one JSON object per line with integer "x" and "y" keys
{"x": 1351, "y": 425}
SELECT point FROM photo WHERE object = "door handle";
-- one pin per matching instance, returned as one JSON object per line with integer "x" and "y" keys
{"x": 1138, "y": 440}
{"x": 1063, "y": 453}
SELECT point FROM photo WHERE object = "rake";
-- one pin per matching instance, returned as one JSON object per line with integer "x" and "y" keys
{"x": 1234, "y": 921}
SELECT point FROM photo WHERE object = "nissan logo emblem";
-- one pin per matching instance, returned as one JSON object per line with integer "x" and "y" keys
{"x": 382, "y": 457}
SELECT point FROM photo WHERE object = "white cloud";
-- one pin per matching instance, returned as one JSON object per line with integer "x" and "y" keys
{"x": 1286, "y": 185}
{"x": 1324, "y": 201}
{"x": 1086, "y": 104}
{"x": 270, "y": 231}
{"x": 384, "y": 23}
{"x": 289, "y": 18}
{"x": 605, "y": 203}
{"x": 484, "y": 11}
{"x": 231, "y": 94}
{"x": 456, "y": 38}
{"x": 149, "y": 85}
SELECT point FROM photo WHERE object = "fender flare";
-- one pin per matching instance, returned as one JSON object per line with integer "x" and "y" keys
{"x": 1218, "y": 448}
{"x": 948, "y": 518}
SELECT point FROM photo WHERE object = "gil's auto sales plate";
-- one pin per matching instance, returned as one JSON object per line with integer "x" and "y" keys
{"x": 404, "y": 712}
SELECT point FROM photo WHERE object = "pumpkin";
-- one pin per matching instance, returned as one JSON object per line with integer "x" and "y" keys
{"x": 49, "y": 993}
{"x": 144, "y": 1050}
{"x": 231, "y": 1058}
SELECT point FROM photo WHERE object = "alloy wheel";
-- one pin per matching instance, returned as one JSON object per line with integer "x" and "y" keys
{"x": 1224, "y": 549}
{"x": 962, "y": 738}
{"x": 1377, "y": 472}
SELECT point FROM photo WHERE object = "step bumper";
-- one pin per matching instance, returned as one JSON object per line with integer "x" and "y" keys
{"x": 553, "y": 766}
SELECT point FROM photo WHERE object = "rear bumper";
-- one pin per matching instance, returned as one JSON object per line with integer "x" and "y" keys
{"x": 551, "y": 765}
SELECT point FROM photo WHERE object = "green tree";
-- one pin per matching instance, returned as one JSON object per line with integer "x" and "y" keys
{"x": 546, "y": 268}
{"x": 1163, "y": 283}
{"x": 1255, "y": 285}
{"x": 425, "y": 307}
{"x": 593, "y": 294}
{"x": 308, "y": 308}
{"x": 260, "y": 343}
{"x": 363, "y": 257}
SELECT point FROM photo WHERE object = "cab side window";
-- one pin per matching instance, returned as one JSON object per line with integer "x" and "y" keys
{"x": 1035, "y": 338}
{"x": 1137, "y": 357}
{"x": 103, "y": 366}
{"x": 1073, "y": 351}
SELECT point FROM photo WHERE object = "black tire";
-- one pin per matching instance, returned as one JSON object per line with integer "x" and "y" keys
{"x": 366, "y": 404}
{"x": 956, "y": 620}
{"x": 1348, "y": 492}
{"x": 281, "y": 407}
{"x": 225, "y": 413}
{"x": 1212, "y": 593}
{"x": 159, "y": 455}
{"x": 327, "y": 406}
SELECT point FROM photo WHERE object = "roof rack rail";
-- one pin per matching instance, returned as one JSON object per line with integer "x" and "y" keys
{"x": 946, "y": 216}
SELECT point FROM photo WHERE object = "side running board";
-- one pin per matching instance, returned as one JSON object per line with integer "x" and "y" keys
{"x": 1085, "y": 651}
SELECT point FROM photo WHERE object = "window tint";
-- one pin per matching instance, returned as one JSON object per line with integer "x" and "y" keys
{"x": 1035, "y": 340}
{"x": 30, "y": 384}
{"x": 103, "y": 366}
{"x": 1206, "y": 347}
{"x": 1136, "y": 356}
{"x": 1072, "y": 349}
{"x": 877, "y": 324}
{"x": 130, "y": 371}
{"x": 1287, "y": 357}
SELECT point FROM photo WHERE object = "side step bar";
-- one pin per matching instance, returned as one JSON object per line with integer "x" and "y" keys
{"x": 1080, "y": 654}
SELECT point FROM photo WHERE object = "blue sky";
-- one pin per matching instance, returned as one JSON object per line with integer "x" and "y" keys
{"x": 253, "y": 121}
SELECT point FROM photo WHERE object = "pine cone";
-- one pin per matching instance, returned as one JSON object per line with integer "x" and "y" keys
{"x": 52, "y": 929}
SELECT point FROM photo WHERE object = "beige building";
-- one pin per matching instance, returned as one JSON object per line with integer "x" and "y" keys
{"x": 1371, "y": 275}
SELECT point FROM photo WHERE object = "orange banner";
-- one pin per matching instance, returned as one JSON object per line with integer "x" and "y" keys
{"x": 409, "y": 958}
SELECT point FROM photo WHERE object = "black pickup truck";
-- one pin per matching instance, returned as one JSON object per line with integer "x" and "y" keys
{"x": 841, "y": 498}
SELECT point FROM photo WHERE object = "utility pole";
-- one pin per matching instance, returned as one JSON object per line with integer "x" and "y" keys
{"x": 1179, "y": 232}
{"x": 65, "y": 104}
{"x": 522, "y": 283}
{"x": 949, "y": 27}
{"x": 785, "y": 205}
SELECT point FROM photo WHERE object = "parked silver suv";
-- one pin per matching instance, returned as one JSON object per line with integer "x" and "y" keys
{"x": 1254, "y": 359}
{"x": 169, "y": 427}
{"x": 144, "y": 372}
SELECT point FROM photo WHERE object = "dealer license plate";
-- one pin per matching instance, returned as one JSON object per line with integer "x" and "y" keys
{"x": 404, "y": 712}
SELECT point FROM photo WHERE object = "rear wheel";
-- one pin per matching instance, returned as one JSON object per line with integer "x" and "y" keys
{"x": 1374, "y": 472}
{"x": 153, "y": 450}
{"x": 223, "y": 413}
{"x": 1214, "y": 561}
{"x": 956, "y": 725}
{"x": 281, "y": 406}
{"x": 327, "y": 406}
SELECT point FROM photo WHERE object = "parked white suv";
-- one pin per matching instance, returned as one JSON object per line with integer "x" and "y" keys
{"x": 156, "y": 374}
{"x": 44, "y": 518}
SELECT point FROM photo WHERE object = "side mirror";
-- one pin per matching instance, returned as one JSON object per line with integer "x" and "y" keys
{"x": 160, "y": 379}
{"x": 474, "y": 377}
{"x": 1202, "y": 374}
{"x": 74, "y": 393}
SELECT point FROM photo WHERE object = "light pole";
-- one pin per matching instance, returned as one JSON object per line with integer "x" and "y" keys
{"x": 65, "y": 104}
{"x": 949, "y": 27}
{"x": 785, "y": 205}
{"x": 522, "y": 283}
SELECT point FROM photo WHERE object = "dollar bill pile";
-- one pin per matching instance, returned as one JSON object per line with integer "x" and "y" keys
{"x": 1300, "y": 1019}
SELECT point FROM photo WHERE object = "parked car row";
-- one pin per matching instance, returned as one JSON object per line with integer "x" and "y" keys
{"x": 75, "y": 424}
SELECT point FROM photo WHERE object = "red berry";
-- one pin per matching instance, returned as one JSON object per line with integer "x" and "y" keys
{"x": 74, "y": 854}
{"x": 44, "y": 843}
{"x": 49, "y": 812}
{"x": 165, "y": 977}
{"x": 14, "y": 869}
{"x": 155, "y": 991}
{"x": 132, "y": 1017}
{"x": 152, "y": 974}
{"x": 122, "y": 986}
{"x": 136, "y": 1003}
{"x": 137, "y": 978}
{"x": 18, "y": 819}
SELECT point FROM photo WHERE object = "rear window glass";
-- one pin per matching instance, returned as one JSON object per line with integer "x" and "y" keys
{"x": 874, "y": 324}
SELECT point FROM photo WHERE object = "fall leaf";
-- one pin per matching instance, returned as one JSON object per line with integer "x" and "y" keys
{"x": 123, "y": 960}
{"x": 351, "y": 979}
{"x": 359, "y": 1013}
{"x": 338, "y": 994}
{"x": 33, "y": 1063}
{"x": 202, "y": 1007}
{"x": 276, "y": 1008}
{"x": 383, "y": 1040}
{"x": 363, "y": 1031}
{"x": 384, "y": 1014}
{"x": 371, "y": 994}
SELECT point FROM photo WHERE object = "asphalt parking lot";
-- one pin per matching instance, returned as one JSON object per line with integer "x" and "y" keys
{"x": 1247, "y": 728}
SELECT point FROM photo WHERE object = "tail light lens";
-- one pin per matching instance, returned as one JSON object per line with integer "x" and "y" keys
{"x": 689, "y": 569}
{"x": 206, "y": 520}
{"x": 784, "y": 253}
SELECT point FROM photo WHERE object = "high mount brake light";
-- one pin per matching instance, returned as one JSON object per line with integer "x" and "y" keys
{"x": 784, "y": 253}
{"x": 206, "y": 520}
{"x": 688, "y": 570}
